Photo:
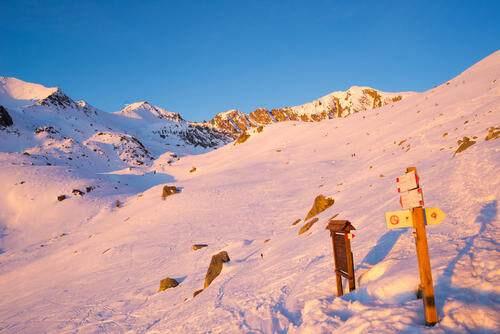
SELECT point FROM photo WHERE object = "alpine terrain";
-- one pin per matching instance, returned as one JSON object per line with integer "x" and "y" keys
{"x": 88, "y": 229}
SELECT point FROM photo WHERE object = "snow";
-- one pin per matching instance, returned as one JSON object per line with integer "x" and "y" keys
{"x": 85, "y": 265}
{"x": 15, "y": 92}
{"x": 144, "y": 110}
{"x": 353, "y": 99}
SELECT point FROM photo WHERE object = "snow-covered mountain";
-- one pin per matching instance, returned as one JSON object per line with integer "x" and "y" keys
{"x": 83, "y": 249}
{"x": 144, "y": 110}
{"x": 52, "y": 128}
{"x": 336, "y": 104}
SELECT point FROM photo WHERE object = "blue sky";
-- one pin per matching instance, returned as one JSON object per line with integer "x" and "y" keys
{"x": 202, "y": 57}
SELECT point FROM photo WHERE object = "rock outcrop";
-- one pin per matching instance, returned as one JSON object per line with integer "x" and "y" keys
{"x": 215, "y": 267}
{"x": 168, "y": 190}
{"x": 304, "y": 228}
{"x": 464, "y": 144}
{"x": 5, "y": 119}
{"x": 337, "y": 104}
{"x": 167, "y": 283}
{"x": 199, "y": 246}
{"x": 321, "y": 203}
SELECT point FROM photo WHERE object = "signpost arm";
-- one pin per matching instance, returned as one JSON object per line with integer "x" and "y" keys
{"x": 424, "y": 264}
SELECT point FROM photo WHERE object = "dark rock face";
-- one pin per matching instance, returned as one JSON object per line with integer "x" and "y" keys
{"x": 78, "y": 192}
{"x": 215, "y": 267}
{"x": 59, "y": 100}
{"x": 204, "y": 136}
{"x": 5, "y": 119}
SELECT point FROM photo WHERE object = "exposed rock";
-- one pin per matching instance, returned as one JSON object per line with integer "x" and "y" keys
{"x": 493, "y": 133}
{"x": 5, "y": 119}
{"x": 204, "y": 136}
{"x": 260, "y": 128}
{"x": 464, "y": 144}
{"x": 193, "y": 170}
{"x": 307, "y": 225}
{"x": 321, "y": 203}
{"x": 215, "y": 267}
{"x": 61, "y": 198}
{"x": 167, "y": 283}
{"x": 130, "y": 150}
{"x": 168, "y": 190}
{"x": 296, "y": 222}
{"x": 261, "y": 116}
{"x": 242, "y": 138}
{"x": 78, "y": 192}
{"x": 50, "y": 130}
{"x": 336, "y": 104}
{"x": 232, "y": 122}
{"x": 198, "y": 246}
{"x": 59, "y": 100}
{"x": 197, "y": 292}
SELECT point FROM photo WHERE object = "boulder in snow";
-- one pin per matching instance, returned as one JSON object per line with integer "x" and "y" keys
{"x": 464, "y": 144}
{"x": 307, "y": 225}
{"x": 199, "y": 246}
{"x": 168, "y": 190}
{"x": 167, "y": 283}
{"x": 321, "y": 203}
{"x": 215, "y": 267}
{"x": 78, "y": 192}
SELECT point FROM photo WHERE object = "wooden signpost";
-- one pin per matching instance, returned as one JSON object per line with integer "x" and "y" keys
{"x": 416, "y": 216}
{"x": 342, "y": 254}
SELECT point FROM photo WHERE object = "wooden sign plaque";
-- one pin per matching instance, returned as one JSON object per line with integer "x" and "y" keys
{"x": 342, "y": 254}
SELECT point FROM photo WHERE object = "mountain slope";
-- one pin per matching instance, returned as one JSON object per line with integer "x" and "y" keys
{"x": 56, "y": 130}
{"x": 88, "y": 265}
{"x": 336, "y": 104}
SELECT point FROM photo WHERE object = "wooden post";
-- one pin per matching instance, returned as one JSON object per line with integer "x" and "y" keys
{"x": 340, "y": 289}
{"x": 424, "y": 264}
{"x": 350, "y": 265}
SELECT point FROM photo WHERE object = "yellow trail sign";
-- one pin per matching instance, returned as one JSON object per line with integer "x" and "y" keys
{"x": 434, "y": 216}
{"x": 398, "y": 219}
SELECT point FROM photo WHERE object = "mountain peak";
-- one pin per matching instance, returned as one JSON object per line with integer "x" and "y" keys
{"x": 16, "y": 93}
{"x": 145, "y": 110}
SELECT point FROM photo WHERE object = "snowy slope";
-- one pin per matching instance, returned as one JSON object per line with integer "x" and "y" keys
{"x": 85, "y": 265}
